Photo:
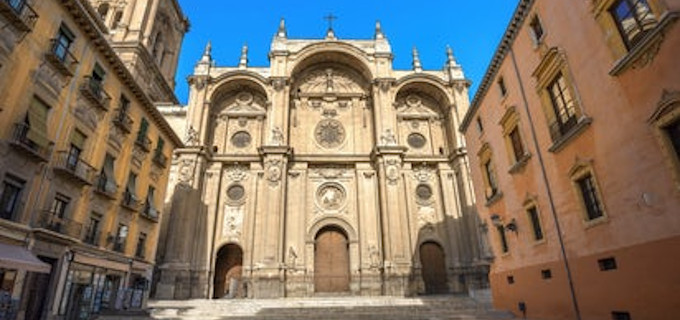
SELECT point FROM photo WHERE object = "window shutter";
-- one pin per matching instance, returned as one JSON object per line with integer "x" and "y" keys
{"x": 109, "y": 173}
{"x": 37, "y": 121}
{"x": 132, "y": 185}
{"x": 78, "y": 139}
{"x": 160, "y": 145}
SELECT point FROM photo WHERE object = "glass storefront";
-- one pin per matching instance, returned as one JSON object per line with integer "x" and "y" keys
{"x": 8, "y": 305}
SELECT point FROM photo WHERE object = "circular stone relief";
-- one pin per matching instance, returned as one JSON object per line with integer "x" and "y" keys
{"x": 329, "y": 133}
{"x": 244, "y": 97}
{"x": 331, "y": 196}
{"x": 416, "y": 140}
{"x": 241, "y": 139}
{"x": 424, "y": 192}
{"x": 236, "y": 192}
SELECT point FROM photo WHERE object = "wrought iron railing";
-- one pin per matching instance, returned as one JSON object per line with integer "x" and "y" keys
{"x": 94, "y": 91}
{"x": 160, "y": 159}
{"x": 61, "y": 57}
{"x": 20, "y": 138}
{"x": 123, "y": 120}
{"x": 52, "y": 221}
{"x": 105, "y": 186}
{"x": 130, "y": 201}
{"x": 19, "y": 13}
{"x": 74, "y": 167}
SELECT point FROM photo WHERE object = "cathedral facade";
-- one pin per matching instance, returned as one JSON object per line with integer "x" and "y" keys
{"x": 327, "y": 172}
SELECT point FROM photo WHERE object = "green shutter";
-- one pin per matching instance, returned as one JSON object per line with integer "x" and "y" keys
{"x": 37, "y": 121}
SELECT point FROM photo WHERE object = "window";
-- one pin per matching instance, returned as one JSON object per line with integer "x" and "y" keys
{"x": 141, "y": 245}
{"x": 501, "y": 86}
{"x": 160, "y": 145}
{"x": 10, "y": 197}
{"x": 589, "y": 196}
{"x": 92, "y": 231}
{"x": 536, "y": 29}
{"x": 59, "y": 205}
{"x": 607, "y": 264}
{"x": 35, "y": 130}
{"x": 17, "y": 5}
{"x": 673, "y": 133}
{"x": 562, "y": 103}
{"x": 633, "y": 19}
{"x": 97, "y": 80}
{"x": 7, "y": 280}
{"x": 504, "y": 240}
{"x": 516, "y": 141}
{"x": 103, "y": 10}
{"x": 62, "y": 43}
{"x": 121, "y": 238}
{"x": 535, "y": 223}
{"x": 490, "y": 175}
{"x": 511, "y": 279}
{"x": 124, "y": 104}
{"x": 117, "y": 17}
{"x": 480, "y": 127}
{"x": 143, "y": 130}
{"x": 107, "y": 180}
{"x": 77, "y": 146}
{"x": 131, "y": 188}
{"x": 150, "y": 208}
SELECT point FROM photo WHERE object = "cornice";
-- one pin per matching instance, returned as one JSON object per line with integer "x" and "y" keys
{"x": 502, "y": 49}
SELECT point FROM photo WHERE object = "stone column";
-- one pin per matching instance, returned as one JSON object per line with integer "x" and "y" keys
{"x": 269, "y": 246}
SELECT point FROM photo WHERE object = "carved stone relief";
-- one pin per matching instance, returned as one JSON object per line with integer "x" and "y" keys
{"x": 273, "y": 171}
{"x": 237, "y": 173}
{"x": 392, "y": 171}
{"x": 331, "y": 196}
{"x": 329, "y": 133}
{"x": 186, "y": 171}
{"x": 233, "y": 221}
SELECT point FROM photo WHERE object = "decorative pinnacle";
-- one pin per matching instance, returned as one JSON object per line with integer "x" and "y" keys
{"x": 450, "y": 59}
{"x": 417, "y": 66}
{"x": 281, "y": 33}
{"x": 207, "y": 53}
{"x": 378, "y": 31}
{"x": 243, "y": 62}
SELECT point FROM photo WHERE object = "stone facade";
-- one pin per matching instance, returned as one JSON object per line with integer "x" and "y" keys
{"x": 328, "y": 142}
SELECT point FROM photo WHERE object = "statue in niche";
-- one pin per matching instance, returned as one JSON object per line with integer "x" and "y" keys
{"x": 388, "y": 138}
{"x": 191, "y": 136}
{"x": 277, "y": 136}
{"x": 292, "y": 257}
{"x": 329, "y": 80}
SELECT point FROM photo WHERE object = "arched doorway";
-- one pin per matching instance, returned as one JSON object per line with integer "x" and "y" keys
{"x": 433, "y": 268}
{"x": 331, "y": 261}
{"x": 227, "y": 282}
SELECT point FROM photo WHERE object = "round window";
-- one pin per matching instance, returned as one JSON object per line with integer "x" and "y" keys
{"x": 240, "y": 139}
{"x": 416, "y": 140}
{"x": 424, "y": 192}
{"x": 236, "y": 192}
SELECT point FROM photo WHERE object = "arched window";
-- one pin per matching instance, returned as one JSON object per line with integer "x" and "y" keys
{"x": 117, "y": 17}
{"x": 103, "y": 10}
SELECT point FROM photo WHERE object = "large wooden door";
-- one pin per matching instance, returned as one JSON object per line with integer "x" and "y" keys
{"x": 331, "y": 261}
{"x": 434, "y": 268}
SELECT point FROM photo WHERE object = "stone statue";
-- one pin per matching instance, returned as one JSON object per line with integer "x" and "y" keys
{"x": 277, "y": 136}
{"x": 388, "y": 138}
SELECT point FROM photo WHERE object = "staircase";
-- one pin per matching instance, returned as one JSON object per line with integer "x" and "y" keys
{"x": 324, "y": 308}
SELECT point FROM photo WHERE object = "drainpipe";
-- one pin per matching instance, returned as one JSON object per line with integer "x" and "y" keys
{"x": 544, "y": 175}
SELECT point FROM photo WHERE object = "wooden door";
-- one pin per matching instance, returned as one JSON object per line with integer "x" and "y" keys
{"x": 331, "y": 262}
{"x": 227, "y": 282}
{"x": 433, "y": 268}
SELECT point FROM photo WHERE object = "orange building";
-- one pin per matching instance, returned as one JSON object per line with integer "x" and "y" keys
{"x": 574, "y": 142}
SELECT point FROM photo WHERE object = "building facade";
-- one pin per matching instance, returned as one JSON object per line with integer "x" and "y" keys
{"x": 575, "y": 144}
{"x": 84, "y": 160}
{"x": 327, "y": 172}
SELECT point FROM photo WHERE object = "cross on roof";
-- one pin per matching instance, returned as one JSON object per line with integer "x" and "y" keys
{"x": 330, "y": 17}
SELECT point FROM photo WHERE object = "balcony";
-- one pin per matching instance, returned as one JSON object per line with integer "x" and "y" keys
{"x": 150, "y": 212}
{"x": 92, "y": 238}
{"x": 93, "y": 91}
{"x": 19, "y": 14}
{"x": 49, "y": 220}
{"x": 74, "y": 168}
{"x": 130, "y": 201}
{"x": 21, "y": 141}
{"x": 119, "y": 244}
{"x": 160, "y": 159}
{"x": 144, "y": 143}
{"x": 123, "y": 120}
{"x": 61, "y": 58}
{"x": 105, "y": 187}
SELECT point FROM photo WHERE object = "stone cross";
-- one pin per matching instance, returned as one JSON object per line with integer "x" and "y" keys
{"x": 330, "y": 17}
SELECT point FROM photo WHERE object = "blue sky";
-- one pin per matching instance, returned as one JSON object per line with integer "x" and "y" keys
{"x": 472, "y": 28}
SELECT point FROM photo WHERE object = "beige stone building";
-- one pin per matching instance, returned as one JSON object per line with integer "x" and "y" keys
{"x": 327, "y": 172}
{"x": 84, "y": 153}
{"x": 574, "y": 139}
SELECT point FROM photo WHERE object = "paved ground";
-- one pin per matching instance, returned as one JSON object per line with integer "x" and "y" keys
{"x": 327, "y": 308}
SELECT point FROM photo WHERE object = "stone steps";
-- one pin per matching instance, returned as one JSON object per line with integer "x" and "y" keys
{"x": 326, "y": 308}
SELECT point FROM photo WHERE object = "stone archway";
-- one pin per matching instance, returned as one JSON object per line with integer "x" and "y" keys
{"x": 331, "y": 261}
{"x": 432, "y": 260}
{"x": 228, "y": 279}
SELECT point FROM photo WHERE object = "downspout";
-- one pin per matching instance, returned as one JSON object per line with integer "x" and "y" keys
{"x": 539, "y": 155}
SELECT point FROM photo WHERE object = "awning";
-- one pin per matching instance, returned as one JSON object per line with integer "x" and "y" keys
{"x": 15, "y": 257}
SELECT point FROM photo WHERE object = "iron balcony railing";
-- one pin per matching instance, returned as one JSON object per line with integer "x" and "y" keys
{"x": 160, "y": 159}
{"x": 105, "y": 186}
{"x": 73, "y": 167}
{"x": 19, "y": 13}
{"x": 123, "y": 120}
{"x": 93, "y": 90}
{"x": 51, "y": 221}
{"x": 143, "y": 142}
{"x": 130, "y": 201}
{"x": 20, "y": 139}
{"x": 150, "y": 212}
{"x": 92, "y": 238}
{"x": 60, "y": 56}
